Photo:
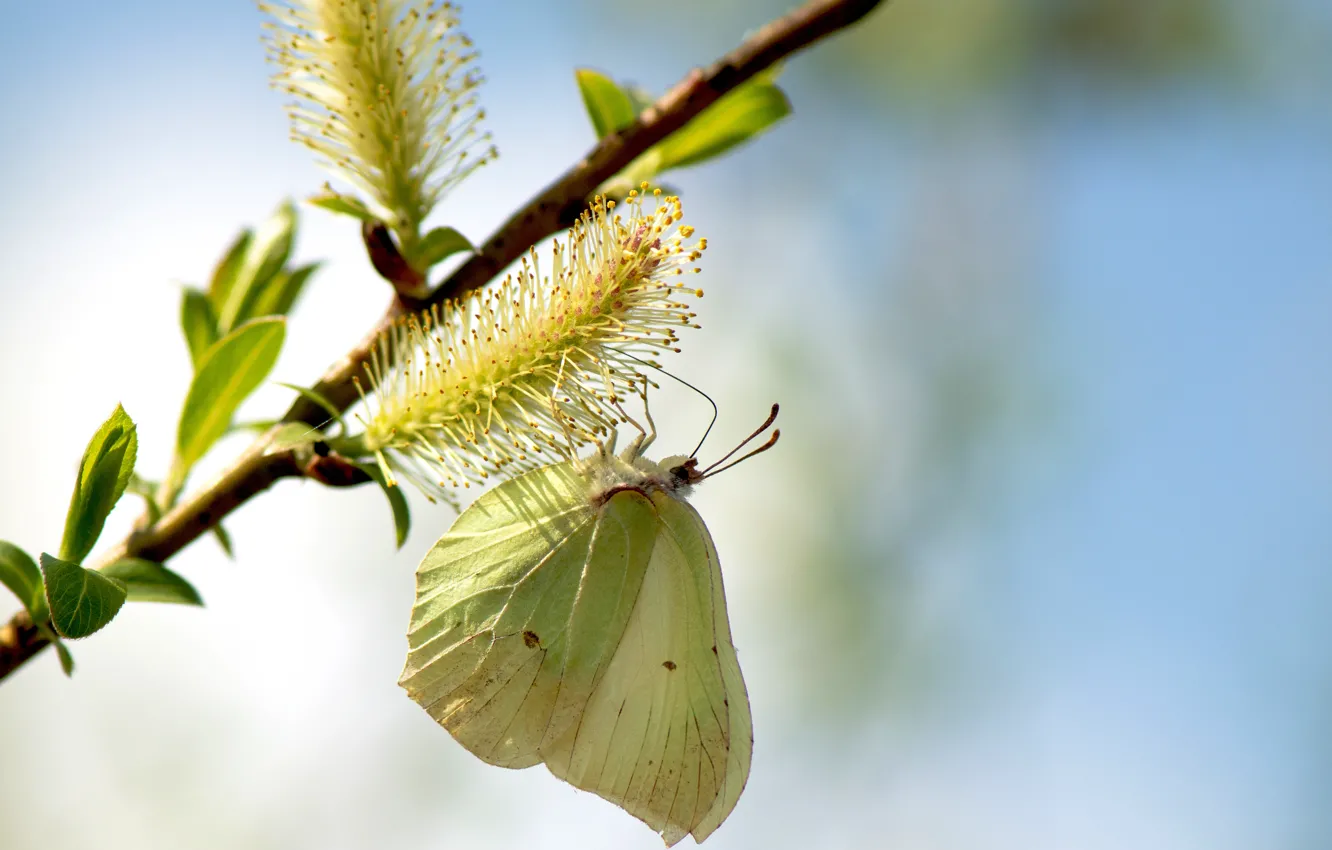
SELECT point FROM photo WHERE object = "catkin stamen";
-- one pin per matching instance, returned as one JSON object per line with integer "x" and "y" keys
{"x": 490, "y": 384}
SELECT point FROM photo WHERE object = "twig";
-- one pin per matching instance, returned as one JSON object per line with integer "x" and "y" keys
{"x": 555, "y": 208}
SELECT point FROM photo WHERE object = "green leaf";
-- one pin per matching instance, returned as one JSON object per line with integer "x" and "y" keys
{"x": 198, "y": 322}
{"x": 402, "y": 515}
{"x": 279, "y": 294}
{"x": 146, "y": 489}
{"x": 103, "y": 476}
{"x": 736, "y": 117}
{"x": 438, "y": 245}
{"x": 639, "y": 97}
{"x": 153, "y": 510}
{"x": 140, "y": 486}
{"x": 149, "y": 581}
{"x": 231, "y": 370}
{"x": 81, "y": 601}
{"x": 265, "y": 257}
{"x": 66, "y": 660}
{"x": 341, "y": 204}
{"x": 294, "y": 434}
{"x": 320, "y": 400}
{"x": 609, "y": 106}
{"x": 224, "y": 540}
{"x": 228, "y": 269}
{"x": 20, "y": 574}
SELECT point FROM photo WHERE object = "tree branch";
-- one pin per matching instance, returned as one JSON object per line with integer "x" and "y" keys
{"x": 555, "y": 208}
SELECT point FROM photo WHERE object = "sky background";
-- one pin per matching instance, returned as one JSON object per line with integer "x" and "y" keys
{"x": 1041, "y": 562}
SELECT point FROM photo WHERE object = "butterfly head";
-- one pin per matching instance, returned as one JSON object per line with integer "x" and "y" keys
{"x": 684, "y": 474}
{"x": 676, "y": 475}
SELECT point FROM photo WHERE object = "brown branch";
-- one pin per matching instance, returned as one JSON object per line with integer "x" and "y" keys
{"x": 555, "y": 208}
{"x": 19, "y": 641}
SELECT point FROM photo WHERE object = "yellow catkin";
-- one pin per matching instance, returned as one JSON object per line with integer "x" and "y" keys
{"x": 386, "y": 94}
{"x": 515, "y": 376}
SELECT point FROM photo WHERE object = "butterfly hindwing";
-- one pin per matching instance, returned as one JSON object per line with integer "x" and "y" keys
{"x": 721, "y": 685}
{"x": 666, "y": 734}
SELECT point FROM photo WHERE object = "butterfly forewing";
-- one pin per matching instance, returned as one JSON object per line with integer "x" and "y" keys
{"x": 519, "y": 607}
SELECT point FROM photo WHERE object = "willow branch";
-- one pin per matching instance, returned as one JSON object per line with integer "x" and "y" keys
{"x": 555, "y": 208}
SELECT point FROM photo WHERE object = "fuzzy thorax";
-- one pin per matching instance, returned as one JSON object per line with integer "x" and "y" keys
{"x": 608, "y": 473}
{"x": 523, "y": 373}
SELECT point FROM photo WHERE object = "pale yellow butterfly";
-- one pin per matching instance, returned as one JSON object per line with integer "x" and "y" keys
{"x": 575, "y": 616}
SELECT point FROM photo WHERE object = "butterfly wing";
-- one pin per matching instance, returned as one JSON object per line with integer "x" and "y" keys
{"x": 667, "y": 734}
{"x": 519, "y": 608}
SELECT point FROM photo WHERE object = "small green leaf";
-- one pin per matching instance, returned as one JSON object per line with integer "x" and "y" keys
{"x": 81, "y": 601}
{"x": 279, "y": 294}
{"x": 140, "y": 486}
{"x": 609, "y": 106}
{"x": 341, "y": 204}
{"x": 736, "y": 117}
{"x": 232, "y": 369}
{"x": 103, "y": 476}
{"x": 264, "y": 258}
{"x": 149, "y": 581}
{"x": 402, "y": 515}
{"x": 438, "y": 245}
{"x": 198, "y": 322}
{"x": 147, "y": 490}
{"x": 318, "y": 399}
{"x": 66, "y": 660}
{"x": 294, "y": 434}
{"x": 228, "y": 268}
{"x": 224, "y": 540}
{"x": 639, "y": 97}
{"x": 20, "y": 574}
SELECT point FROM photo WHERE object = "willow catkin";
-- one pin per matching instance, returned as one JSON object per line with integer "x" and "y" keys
{"x": 518, "y": 375}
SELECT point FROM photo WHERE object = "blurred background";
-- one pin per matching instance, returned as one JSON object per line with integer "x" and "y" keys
{"x": 1041, "y": 561}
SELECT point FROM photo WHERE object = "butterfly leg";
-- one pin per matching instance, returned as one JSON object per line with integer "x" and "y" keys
{"x": 645, "y": 435}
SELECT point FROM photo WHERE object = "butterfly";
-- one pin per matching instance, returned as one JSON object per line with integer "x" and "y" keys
{"x": 575, "y": 616}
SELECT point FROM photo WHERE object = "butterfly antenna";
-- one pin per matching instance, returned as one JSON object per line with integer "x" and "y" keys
{"x": 772, "y": 441}
{"x": 677, "y": 378}
{"x": 772, "y": 417}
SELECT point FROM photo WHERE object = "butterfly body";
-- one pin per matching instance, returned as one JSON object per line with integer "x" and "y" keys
{"x": 575, "y": 616}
